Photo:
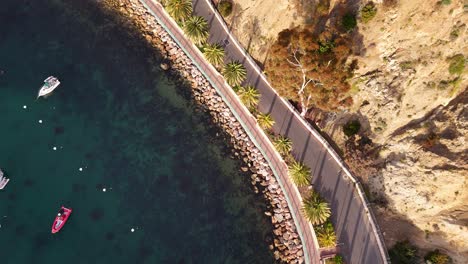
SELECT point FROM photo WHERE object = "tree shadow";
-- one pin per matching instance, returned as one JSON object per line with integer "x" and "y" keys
{"x": 333, "y": 20}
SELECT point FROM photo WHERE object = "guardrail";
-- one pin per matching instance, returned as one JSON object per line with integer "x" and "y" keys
{"x": 248, "y": 122}
{"x": 317, "y": 135}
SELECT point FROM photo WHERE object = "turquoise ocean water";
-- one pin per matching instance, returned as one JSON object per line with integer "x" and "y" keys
{"x": 131, "y": 130}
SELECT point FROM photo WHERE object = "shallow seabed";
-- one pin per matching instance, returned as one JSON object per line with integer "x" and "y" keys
{"x": 117, "y": 117}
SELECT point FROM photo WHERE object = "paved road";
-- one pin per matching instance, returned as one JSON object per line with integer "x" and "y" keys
{"x": 358, "y": 234}
{"x": 306, "y": 232}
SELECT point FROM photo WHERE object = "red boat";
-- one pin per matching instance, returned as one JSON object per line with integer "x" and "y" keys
{"x": 61, "y": 219}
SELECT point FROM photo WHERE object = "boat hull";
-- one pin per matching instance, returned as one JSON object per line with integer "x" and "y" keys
{"x": 3, "y": 180}
{"x": 61, "y": 219}
{"x": 50, "y": 84}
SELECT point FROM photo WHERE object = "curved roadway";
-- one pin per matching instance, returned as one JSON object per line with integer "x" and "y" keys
{"x": 359, "y": 237}
{"x": 256, "y": 134}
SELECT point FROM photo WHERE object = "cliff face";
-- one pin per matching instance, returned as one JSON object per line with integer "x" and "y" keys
{"x": 404, "y": 62}
{"x": 425, "y": 180}
{"x": 409, "y": 104}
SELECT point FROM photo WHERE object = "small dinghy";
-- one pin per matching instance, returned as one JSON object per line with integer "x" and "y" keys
{"x": 49, "y": 85}
{"x": 61, "y": 219}
{"x": 3, "y": 180}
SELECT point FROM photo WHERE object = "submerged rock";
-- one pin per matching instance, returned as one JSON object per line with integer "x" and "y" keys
{"x": 165, "y": 66}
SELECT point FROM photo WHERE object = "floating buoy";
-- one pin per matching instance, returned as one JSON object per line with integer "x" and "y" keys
{"x": 54, "y": 148}
{"x": 133, "y": 230}
{"x": 40, "y": 121}
{"x": 104, "y": 189}
{"x": 25, "y": 106}
{"x": 80, "y": 169}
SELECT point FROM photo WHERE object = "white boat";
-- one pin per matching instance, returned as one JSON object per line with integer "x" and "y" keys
{"x": 49, "y": 85}
{"x": 3, "y": 180}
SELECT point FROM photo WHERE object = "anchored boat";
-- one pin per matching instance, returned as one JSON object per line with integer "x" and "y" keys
{"x": 3, "y": 180}
{"x": 49, "y": 85}
{"x": 61, "y": 219}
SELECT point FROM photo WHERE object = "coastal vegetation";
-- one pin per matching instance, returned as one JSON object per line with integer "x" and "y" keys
{"x": 368, "y": 12}
{"x": 214, "y": 54}
{"x": 446, "y": 2}
{"x": 338, "y": 259}
{"x": 283, "y": 145}
{"x": 349, "y": 22}
{"x": 326, "y": 235}
{"x": 437, "y": 257}
{"x": 234, "y": 72}
{"x": 225, "y": 8}
{"x": 180, "y": 10}
{"x": 457, "y": 64}
{"x": 309, "y": 69}
{"x": 351, "y": 128}
{"x": 315, "y": 209}
{"x": 299, "y": 173}
{"x": 404, "y": 253}
{"x": 196, "y": 29}
{"x": 249, "y": 96}
{"x": 265, "y": 121}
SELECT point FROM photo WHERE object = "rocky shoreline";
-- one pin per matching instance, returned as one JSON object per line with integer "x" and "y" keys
{"x": 286, "y": 244}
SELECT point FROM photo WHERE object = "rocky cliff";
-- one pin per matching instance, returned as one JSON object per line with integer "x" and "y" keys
{"x": 409, "y": 93}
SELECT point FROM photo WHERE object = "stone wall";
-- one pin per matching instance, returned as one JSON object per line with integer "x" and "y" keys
{"x": 286, "y": 244}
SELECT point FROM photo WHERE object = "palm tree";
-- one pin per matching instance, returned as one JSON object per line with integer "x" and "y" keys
{"x": 316, "y": 210}
{"x": 249, "y": 96}
{"x": 235, "y": 73}
{"x": 283, "y": 145}
{"x": 180, "y": 10}
{"x": 196, "y": 29}
{"x": 214, "y": 54}
{"x": 265, "y": 121}
{"x": 326, "y": 235}
{"x": 299, "y": 173}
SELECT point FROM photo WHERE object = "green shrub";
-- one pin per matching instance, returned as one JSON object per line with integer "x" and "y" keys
{"x": 299, "y": 174}
{"x": 225, "y": 8}
{"x": 326, "y": 46}
{"x": 349, "y": 22}
{"x": 446, "y": 2}
{"x": 454, "y": 33}
{"x": 315, "y": 209}
{"x": 406, "y": 65}
{"x": 322, "y": 8}
{"x": 368, "y": 12}
{"x": 335, "y": 260}
{"x": 403, "y": 253}
{"x": 457, "y": 64}
{"x": 351, "y": 128}
{"x": 436, "y": 257}
{"x": 326, "y": 235}
{"x": 338, "y": 259}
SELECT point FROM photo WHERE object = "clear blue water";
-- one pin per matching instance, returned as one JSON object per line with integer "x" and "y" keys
{"x": 131, "y": 130}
